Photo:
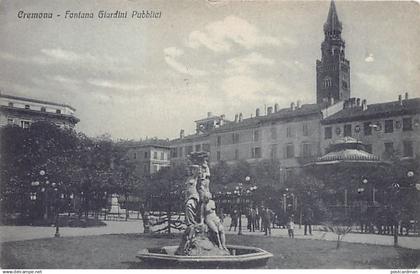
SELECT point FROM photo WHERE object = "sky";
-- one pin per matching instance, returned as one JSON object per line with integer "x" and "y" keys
{"x": 134, "y": 77}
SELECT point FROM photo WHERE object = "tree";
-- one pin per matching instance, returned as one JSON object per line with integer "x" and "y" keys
{"x": 25, "y": 153}
{"x": 165, "y": 194}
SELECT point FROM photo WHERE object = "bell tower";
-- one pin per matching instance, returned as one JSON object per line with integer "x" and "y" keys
{"x": 333, "y": 71}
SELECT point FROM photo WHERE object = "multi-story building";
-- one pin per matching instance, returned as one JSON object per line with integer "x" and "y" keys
{"x": 200, "y": 141}
{"x": 149, "y": 156}
{"x": 388, "y": 130}
{"x": 296, "y": 135}
{"x": 25, "y": 111}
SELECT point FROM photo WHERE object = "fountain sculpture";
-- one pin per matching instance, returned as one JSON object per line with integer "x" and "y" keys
{"x": 203, "y": 243}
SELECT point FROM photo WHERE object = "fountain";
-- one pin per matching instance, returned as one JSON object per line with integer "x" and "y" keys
{"x": 203, "y": 242}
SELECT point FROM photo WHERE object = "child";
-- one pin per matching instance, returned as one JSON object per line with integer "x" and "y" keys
{"x": 291, "y": 227}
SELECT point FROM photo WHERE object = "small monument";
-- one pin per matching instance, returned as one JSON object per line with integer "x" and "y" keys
{"x": 115, "y": 205}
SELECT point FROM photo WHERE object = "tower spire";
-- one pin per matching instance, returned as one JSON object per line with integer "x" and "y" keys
{"x": 333, "y": 70}
{"x": 332, "y": 24}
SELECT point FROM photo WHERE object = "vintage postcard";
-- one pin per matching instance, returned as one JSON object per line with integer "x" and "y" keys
{"x": 209, "y": 134}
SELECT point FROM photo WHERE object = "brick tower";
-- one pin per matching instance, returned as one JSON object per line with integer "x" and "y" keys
{"x": 333, "y": 71}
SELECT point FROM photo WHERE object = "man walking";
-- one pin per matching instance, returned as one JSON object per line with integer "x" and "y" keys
{"x": 307, "y": 220}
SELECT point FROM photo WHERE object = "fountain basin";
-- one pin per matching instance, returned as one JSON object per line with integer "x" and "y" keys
{"x": 241, "y": 257}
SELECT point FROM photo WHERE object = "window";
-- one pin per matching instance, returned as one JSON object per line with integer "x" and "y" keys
{"x": 235, "y": 138}
{"x": 290, "y": 151}
{"x": 219, "y": 141}
{"x": 10, "y": 104}
{"x": 273, "y": 151}
{"x": 146, "y": 155}
{"x": 218, "y": 155}
{"x": 43, "y": 109}
{"x": 344, "y": 84}
{"x": 305, "y": 129}
{"x": 10, "y": 121}
{"x": 368, "y": 148}
{"x": 146, "y": 168}
{"x": 25, "y": 124}
{"x": 256, "y": 152}
{"x": 367, "y": 129}
{"x": 206, "y": 147}
{"x": 289, "y": 174}
{"x": 198, "y": 147}
{"x": 188, "y": 150}
{"x": 347, "y": 130}
{"x": 134, "y": 155}
{"x": 306, "y": 150}
{"x": 27, "y": 106}
{"x": 288, "y": 132}
{"x": 155, "y": 155}
{"x": 58, "y": 111}
{"x": 328, "y": 133}
{"x": 327, "y": 82}
{"x": 407, "y": 124}
{"x": 389, "y": 126}
{"x": 236, "y": 154}
{"x": 408, "y": 149}
{"x": 256, "y": 135}
{"x": 273, "y": 131}
{"x": 174, "y": 152}
{"x": 162, "y": 155}
{"x": 389, "y": 148}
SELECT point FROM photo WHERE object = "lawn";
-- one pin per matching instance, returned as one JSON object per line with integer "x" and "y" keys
{"x": 118, "y": 252}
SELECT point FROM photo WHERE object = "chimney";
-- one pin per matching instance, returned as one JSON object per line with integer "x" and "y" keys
{"x": 181, "y": 134}
{"x": 240, "y": 117}
{"x": 292, "y": 106}
{"x": 358, "y": 102}
{"x": 209, "y": 114}
{"x": 236, "y": 118}
{"x": 276, "y": 107}
{"x": 298, "y": 104}
{"x": 269, "y": 110}
{"x": 406, "y": 96}
{"x": 400, "y": 99}
{"x": 257, "y": 112}
{"x": 364, "y": 105}
{"x": 222, "y": 120}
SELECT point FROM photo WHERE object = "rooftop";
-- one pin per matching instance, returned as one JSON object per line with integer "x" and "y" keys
{"x": 35, "y": 101}
{"x": 406, "y": 106}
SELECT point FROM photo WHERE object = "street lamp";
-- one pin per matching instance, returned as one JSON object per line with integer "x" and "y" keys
{"x": 397, "y": 188}
{"x": 239, "y": 191}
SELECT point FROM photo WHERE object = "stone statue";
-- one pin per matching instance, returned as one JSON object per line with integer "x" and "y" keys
{"x": 200, "y": 213}
{"x": 191, "y": 195}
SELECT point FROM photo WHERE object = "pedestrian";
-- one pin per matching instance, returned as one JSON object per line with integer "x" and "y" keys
{"x": 307, "y": 220}
{"x": 291, "y": 227}
{"x": 253, "y": 219}
{"x": 267, "y": 221}
{"x": 234, "y": 220}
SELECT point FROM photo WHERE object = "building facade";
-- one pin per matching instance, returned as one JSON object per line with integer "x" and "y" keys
{"x": 25, "y": 111}
{"x": 299, "y": 134}
{"x": 149, "y": 156}
{"x": 388, "y": 130}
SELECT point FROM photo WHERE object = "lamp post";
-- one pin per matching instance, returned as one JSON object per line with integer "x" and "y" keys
{"x": 397, "y": 187}
{"x": 45, "y": 188}
{"x": 361, "y": 189}
{"x": 239, "y": 191}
